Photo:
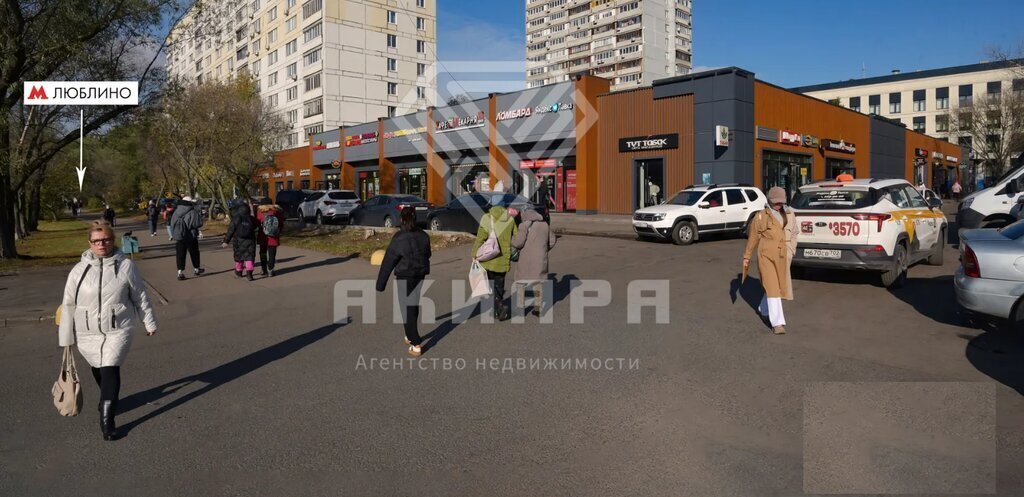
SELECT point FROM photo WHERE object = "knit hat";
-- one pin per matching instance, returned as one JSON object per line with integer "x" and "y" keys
{"x": 776, "y": 195}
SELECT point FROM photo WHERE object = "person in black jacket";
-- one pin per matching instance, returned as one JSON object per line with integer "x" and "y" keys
{"x": 408, "y": 256}
{"x": 242, "y": 237}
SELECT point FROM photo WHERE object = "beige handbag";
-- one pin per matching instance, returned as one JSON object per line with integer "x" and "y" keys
{"x": 67, "y": 392}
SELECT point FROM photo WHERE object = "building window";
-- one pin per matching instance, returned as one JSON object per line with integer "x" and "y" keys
{"x": 421, "y": 92}
{"x": 272, "y": 100}
{"x": 392, "y": 17}
{"x": 392, "y": 41}
{"x": 392, "y": 65}
{"x": 311, "y": 33}
{"x": 313, "y": 107}
{"x": 994, "y": 90}
{"x": 919, "y": 105}
{"x": 421, "y": 3}
{"x": 291, "y": 24}
{"x": 392, "y": 110}
{"x": 1018, "y": 86}
{"x": 942, "y": 123}
{"x": 291, "y": 94}
{"x": 272, "y": 36}
{"x": 312, "y": 82}
{"x": 311, "y": 57}
{"x": 272, "y": 14}
{"x": 421, "y": 46}
{"x": 293, "y": 117}
{"x": 239, "y": 55}
{"x": 895, "y": 103}
{"x": 421, "y": 23}
{"x": 874, "y": 104}
{"x": 942, "y": 98}
{"x": 855, "y": 104}
{"x": 421, "y": 69}
{"x": 291, "y": 47}
{"x": 272, "y": 58}
{"x": 919, "y": 124}
{"x": 311, "y": 7}
{"x": 314, "y": 130}
{"x": 293, "y": 70}
{"x": 966, "y": 95}
{"x": 392, "y": 88}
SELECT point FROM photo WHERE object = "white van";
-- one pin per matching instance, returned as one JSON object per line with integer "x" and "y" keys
{"x": 990, "y": 208}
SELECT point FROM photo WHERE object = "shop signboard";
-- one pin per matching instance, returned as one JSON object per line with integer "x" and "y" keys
{"x": 721, "y": 136}
{"x": 646, "y": 143}
{"x": 538, "y": 164}
{"x": 767, "y": 134}
{"x": 289, "y": 174}
{"x": 920, "y": 152}
{"x": 334, "y": 144}
{"x": 952, "y": 159}
{"x": 936, "y": 155}
{"x": 361, "y": 139}
{"x": 840, "y": 146}
{"x": 457, "y": 123}
{"x": 304, "y": 172}
{"x": 790, "y": 138}
{"x": 319, "y": 145}
{"x": 812, "y": 141}
{"x": 404, "y": 132}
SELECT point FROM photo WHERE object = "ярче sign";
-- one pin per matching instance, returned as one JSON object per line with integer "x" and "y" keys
{"x": 652, "y": 142}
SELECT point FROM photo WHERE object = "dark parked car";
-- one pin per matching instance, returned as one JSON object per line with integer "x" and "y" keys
{"x": 385, "y": 210}
{"x": 464, "y": 213}
{"x": 289, "y": 201}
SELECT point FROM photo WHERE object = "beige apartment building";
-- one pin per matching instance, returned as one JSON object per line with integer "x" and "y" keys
{"x": 320, "y": 63}
{"x": 630, "y": 42}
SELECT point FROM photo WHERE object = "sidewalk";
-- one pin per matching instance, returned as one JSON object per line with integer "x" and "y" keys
{"x": 603, "y": 225}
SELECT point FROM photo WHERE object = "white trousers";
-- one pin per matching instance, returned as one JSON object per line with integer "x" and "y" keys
{"x": 772, "y": 308}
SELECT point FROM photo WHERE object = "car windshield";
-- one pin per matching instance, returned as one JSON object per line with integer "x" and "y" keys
{"x": 687, "y": 197}
{"x": 833, "y": 199}
{"x": 342, "y": 196}
{"x": 1013, "y": 231}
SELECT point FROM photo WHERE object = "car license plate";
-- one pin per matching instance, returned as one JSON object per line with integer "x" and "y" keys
{"x": 421, "y": 208}
{"x": 823, "y": 254}
{"x": 641, "y": 225}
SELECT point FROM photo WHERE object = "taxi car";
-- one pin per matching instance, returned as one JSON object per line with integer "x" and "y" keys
{"x": 879, "y": 225}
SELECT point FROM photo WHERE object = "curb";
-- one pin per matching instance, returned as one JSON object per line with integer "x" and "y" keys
{"x": 9, "y": 322}
{"x": 598, "y": 234}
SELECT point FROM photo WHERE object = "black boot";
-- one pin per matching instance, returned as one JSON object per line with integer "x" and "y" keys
{"x": 107, "y": 420}
{"x": 248, "y": 275}
{"x": 238, "y": 273}
{"x": 263, "y": 268}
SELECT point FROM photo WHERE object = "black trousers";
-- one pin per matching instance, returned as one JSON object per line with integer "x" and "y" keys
{"x": 498, "y": 279}
{"x": 190, "y": 246}
{"x": 152, "y": 225}
{"x": 268, "y": 257}
{"x": 410, "y": 288}
{"x": 109, "y": 380}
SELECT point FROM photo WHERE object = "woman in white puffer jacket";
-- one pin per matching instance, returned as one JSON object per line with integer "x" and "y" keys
{"x": 103, "y": 299}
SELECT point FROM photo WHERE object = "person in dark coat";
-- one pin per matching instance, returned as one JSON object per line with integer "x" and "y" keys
{"x": 186, "y": 221}
{"x": 269, "y": 241}
{"x": 241, "y": 235}
{"x": 108, "y": 215}
{"x": 408, "y": 256}
{"x": 153, "y": 214}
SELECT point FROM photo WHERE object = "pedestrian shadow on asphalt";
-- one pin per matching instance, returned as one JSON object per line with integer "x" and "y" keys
{"x": 999, "y": 354}
{"x": 326, "y": 262}
{"x": 750, "y": 290}
{"x": 562, "y": 287}
{"x": 217, "y": 376}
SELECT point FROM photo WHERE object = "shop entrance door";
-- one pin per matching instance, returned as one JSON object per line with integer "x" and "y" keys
{"x": 648, "y": 182}
{"x": 570, "y": 190}
{"x": 413, "y": 181}
{"x": 834, "y": 167}
{"x": 369, "y": 184}
{"x": 789, "y": 171}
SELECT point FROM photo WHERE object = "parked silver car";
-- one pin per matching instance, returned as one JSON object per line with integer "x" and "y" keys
{"x": 330, "y": 205}
{"x": 990, "y": 279}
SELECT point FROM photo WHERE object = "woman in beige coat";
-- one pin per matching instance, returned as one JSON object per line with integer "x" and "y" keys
{"x": 773, "y": 232}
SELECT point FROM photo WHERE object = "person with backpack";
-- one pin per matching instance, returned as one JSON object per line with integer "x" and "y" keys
{"x": 109, "y": 215}
{"x": 408, "y": 256}
{"x": 533, "y": 241}
{"x": 241, "y": 235}
{"x": 153, "y": 214}
{"x": 497, "y": 223}
{"x": 185, "y": 224}
{"x": 270, "y": 218}
{"x": 168, "y": 211}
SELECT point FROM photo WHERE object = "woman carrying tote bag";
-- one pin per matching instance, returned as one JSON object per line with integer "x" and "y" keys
{"x": 103, "y": 299}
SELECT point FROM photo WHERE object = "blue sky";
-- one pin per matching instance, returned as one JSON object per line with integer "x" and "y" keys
{"x": 786, "y": 42}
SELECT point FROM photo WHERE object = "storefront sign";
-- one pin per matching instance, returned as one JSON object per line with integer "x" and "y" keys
{"x": 415, "y": 171}
{"x": 404, "y": 132}
{"x": 319, "y": 145}
{"x": 457, "y": 123}
{"x": 721, "y": 136}
{"x": 936, "y": 155}
{"x": 289, "y": 174}
{"x": 790, "y": 138}
{"x": 767, "y": 134}
{"x": 266, "y": 175}
{"x": 812, "y": 141}
{"x": 840, "y": 146}
{"x": 363, "y": 139}
{"x": 304, "y": 172}
{"x": 555, "y": 107}
{"x": 653, "y": 142}
{"x": 278, "y": 174}
{"x": 331, "y": 145}
{"x": 538, "y": 164}
{"x": 950, "y": 158}
{"x": 514, "y": 114}
{"x": 920, "y": 152}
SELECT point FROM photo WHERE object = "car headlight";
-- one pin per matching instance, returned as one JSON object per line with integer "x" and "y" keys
{"x": 966, "y": 204}
{"x": 659, "y": 217}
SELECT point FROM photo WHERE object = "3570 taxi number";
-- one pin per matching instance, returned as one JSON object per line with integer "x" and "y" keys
{"x": 844, "y": 228}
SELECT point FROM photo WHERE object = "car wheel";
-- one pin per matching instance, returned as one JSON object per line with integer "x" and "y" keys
{"x": 319, "y": 218}
{"x": 895, "y": 277}
{"x": 435, "y": 224}
{"x": 684, "y": 233}
{"x": 940, "y": 248}
{"x": 388, "y": 222}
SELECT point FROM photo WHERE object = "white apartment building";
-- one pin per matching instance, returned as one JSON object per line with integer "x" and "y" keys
{"x": 320, "y": 63}
{"x": 630, "y": 42}
{"x": 923, "y": 100}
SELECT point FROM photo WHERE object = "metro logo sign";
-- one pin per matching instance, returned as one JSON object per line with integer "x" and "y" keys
{"x": 81, "y": 93}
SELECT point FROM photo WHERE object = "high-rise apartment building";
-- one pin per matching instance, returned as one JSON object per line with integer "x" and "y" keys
{"x": 320, "y": 63}
{"x": 630, "y": 42}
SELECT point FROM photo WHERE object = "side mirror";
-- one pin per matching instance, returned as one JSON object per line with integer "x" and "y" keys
{"x": 934, "y": 202}
{"x": 1011, "y": 187}
{"x": 1020, "y": 200}
{"x": 704, "y": 205}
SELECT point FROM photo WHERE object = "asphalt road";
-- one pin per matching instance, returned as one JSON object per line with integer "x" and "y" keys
{"x": 252, "y": 389}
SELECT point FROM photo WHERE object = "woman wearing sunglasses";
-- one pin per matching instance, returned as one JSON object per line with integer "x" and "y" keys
{"x": 104, "y": 298}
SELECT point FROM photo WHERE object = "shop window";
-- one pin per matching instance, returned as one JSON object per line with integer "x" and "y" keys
{"x": 835, "y": 166}
{"x": 649, "y": 182}
{"x": 788, "y": 171}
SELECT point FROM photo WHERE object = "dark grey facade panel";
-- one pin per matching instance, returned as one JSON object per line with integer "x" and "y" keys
{"x": 538, "y": 114}
{"x": 362, "y": 152}
{"x": 330, "y": 139}
{"x": 412, "y": 135}
{"x": 462, "y": 137}
{"x": 722, "y": 100}
{"x": 888, "y": 147}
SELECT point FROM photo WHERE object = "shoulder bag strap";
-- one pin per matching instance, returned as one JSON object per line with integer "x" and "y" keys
{"x": 79, "y": 287}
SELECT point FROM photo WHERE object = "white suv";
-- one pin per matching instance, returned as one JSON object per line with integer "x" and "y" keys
{"x": 698, "y": 210}
{"x": 868, "y": 225}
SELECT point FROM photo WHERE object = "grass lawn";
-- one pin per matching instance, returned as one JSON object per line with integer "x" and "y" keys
{"x": 354, "y": 241}
{"x": 56, "y": 243}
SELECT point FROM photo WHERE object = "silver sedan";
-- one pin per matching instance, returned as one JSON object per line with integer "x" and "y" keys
{"x": 990, "y": 279}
